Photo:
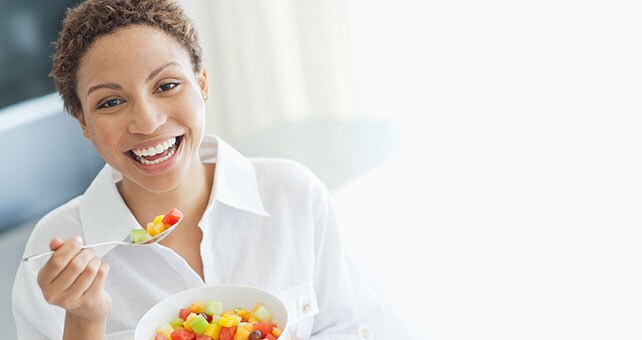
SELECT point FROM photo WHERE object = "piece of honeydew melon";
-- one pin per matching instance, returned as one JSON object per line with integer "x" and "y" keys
{"x": 262, "y": 313}
{"x": 139, "y": 235}
{"x": 213, "y": 308}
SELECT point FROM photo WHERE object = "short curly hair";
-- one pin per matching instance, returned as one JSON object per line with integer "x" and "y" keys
{"x": 93, "y": 18}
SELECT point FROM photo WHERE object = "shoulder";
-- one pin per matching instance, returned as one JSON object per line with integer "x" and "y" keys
{"x": 64, "y": 222}
{"x": 286, "y": 174}
{"x": 280, "y": 166}
{"x": 289, "y": 184}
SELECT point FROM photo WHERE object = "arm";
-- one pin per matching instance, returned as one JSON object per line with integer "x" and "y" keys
{"x": 81, "y": 328}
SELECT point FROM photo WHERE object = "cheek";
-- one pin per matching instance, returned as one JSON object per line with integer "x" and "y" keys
{"x": 193, "y": 112}
{"x": 101, "y": 133}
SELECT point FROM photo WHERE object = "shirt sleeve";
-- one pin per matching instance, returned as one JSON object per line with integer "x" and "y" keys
{"x": 350, "y": 305}
{"x": 35, "y": 318}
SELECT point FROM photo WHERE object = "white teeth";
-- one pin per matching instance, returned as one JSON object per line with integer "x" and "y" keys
{"x": 156, "y": 161}
{"x": 155, "y": 150}
{"x": 150, "y": 152}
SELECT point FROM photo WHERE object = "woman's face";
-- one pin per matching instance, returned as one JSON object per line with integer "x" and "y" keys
{"x": 143, "y": 106}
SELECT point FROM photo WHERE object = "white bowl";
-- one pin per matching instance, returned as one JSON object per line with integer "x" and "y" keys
{"x": 231, "y": 295}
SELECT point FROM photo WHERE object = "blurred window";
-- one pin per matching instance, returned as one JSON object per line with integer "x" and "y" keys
{"x": 27, "y": 29}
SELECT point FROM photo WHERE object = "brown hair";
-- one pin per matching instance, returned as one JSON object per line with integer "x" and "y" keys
{"x": 93, "y": 18}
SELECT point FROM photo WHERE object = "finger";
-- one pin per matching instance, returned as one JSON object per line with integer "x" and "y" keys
{"x": 74, "y": 268}
{"x": 99, "y": 281}
{"x": 58, "y": 261}
{"x": 55, "y": 243}
{"x": 94, "y": 297}
{"x": 83, "y": 281}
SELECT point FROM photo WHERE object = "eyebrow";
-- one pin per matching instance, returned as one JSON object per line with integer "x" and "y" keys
{"x": 113, "y": 86}
{"x": 158, "y": 70}
{"x": 104, "y": 86}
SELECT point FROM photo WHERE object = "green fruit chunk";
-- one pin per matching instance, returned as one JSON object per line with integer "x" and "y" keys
{"x": 262, "y": 313}
{"x": 215, "y": 319}
{"x": 178, "y": 322}
{"x": 199, "y": 324}
{"x": 213, "y": 308}
{"x": 139, "y": 235}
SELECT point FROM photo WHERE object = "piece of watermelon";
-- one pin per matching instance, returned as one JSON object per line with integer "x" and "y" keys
{"x": 183, "y": 313}
{"x": 172, "y": 217}
{"x": 264, "y": 327}
{"x": 183, "y": 334}
{"x": 227, "y": 333}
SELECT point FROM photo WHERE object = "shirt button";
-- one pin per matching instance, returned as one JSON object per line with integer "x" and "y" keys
{"x": 365, "y": 333}
{"x": 305, "y": 307}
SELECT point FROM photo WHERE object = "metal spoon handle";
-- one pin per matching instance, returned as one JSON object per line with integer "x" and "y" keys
{"x": 37, "y": 256}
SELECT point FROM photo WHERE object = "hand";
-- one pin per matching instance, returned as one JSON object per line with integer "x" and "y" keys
{"x": 74, "y": 279}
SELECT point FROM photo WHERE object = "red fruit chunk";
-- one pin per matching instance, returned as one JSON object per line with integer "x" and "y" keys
{"x": 227, "y": 333}
{"x": 270, "y": 337}
{"x": 203, "y": 337}
{"x": 183, "y": 314}
{"x": 160, "y": 337}
{"x": 172, "y": 217}
{"x": 264, "y": 327}
{"x": 183, "y": 334}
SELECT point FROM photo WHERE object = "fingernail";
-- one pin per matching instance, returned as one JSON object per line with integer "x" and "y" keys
{"x": 78, "y": 238}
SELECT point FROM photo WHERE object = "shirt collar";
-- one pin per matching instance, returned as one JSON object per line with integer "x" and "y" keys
{"x": 235, "y": 182}
{"x": 104, "y": 216}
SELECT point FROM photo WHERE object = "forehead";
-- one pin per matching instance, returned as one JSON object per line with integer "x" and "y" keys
{"x": 131, "y": 51}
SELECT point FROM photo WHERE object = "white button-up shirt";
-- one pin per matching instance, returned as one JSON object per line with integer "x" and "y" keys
{"x": 268, "y": 223}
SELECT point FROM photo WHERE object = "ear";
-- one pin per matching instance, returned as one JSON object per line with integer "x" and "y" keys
{"x": 202, "y": 83}
{"x": 80, "y": 117}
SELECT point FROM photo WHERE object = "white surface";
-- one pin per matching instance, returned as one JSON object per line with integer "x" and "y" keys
{"x": 231, "y": 296}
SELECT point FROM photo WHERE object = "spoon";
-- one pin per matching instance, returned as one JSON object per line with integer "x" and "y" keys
{"x": 152, "y": 240}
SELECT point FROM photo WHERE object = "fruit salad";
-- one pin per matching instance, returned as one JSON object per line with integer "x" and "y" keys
{"x": 157, "y": 226}
{"x": 209, "y": 321}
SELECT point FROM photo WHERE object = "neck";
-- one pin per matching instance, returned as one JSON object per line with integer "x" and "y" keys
{"x": 191, "y": 196}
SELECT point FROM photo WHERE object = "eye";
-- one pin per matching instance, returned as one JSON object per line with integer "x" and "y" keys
{"x": 110, "y": 103}
{"x": 167, "y": 86}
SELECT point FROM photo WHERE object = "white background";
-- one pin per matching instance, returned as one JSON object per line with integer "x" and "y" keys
{"x": 519, "y": 199}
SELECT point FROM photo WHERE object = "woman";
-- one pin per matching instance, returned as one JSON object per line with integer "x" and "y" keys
{"x": 131, "y": 73}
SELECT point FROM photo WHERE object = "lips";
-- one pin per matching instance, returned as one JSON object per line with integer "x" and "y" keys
{"x": 156, "y": 154}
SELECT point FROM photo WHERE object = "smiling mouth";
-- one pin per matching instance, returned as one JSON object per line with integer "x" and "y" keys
{"x": 156, "y": 154}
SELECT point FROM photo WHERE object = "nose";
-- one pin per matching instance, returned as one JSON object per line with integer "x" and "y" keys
{"x": 146, "y": 117}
